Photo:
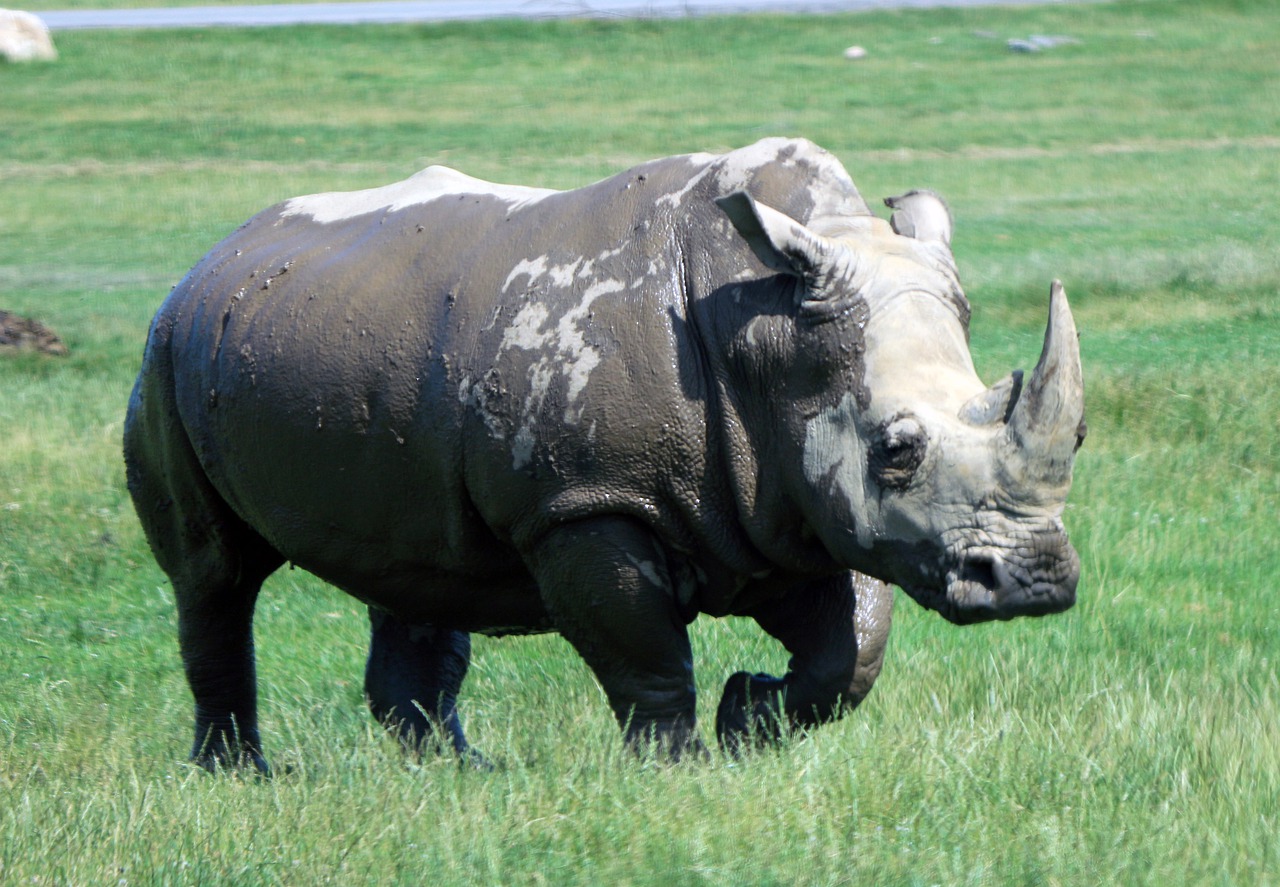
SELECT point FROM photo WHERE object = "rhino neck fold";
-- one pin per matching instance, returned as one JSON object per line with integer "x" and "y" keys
{"x": 747, "y": 426}
{"x": 768, "y": 512}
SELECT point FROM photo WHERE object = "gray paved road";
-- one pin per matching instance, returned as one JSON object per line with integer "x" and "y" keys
{"x": 460, "y": 10}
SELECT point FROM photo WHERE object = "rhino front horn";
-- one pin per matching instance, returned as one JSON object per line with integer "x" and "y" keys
{"x": 1047, "y": 422}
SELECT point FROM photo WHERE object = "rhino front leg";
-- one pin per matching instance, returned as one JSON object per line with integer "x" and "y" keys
{"x": 605, "y": 583}
{"x": 836, "y": 630}
{"x": 411, "y": 681}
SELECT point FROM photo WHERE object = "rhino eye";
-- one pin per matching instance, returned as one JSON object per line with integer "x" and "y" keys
{"x": 897, "y": 452}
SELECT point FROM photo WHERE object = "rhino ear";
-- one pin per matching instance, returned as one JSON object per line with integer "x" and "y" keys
{"x": 922, "y": 215}
{"x": 779, "y": 241}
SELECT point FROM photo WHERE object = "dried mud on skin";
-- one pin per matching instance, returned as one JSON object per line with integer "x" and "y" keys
{"x": 28, "y": 334}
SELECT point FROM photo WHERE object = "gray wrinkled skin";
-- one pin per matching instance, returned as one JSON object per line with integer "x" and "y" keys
{"x": 709, "y": 384}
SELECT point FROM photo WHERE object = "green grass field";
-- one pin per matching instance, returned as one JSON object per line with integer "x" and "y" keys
{"x": 1133, "y": 740}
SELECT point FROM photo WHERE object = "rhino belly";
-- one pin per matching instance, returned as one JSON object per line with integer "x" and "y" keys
{"x": 384, "y": 525}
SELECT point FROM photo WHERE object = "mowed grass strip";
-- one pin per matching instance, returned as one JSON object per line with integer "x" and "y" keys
{"x": 1133, "y": 739}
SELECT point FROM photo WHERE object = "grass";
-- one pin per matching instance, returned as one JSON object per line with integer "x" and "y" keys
{"x": 1134, "y": 739}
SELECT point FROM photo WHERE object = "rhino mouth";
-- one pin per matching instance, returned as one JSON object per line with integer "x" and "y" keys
{"x": 985, "y": 587}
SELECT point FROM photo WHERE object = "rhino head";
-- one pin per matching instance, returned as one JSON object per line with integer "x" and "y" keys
{"x": 906, "y": 466}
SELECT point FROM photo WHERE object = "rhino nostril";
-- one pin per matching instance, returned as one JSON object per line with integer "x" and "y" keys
{"x": 981, "y": 572}
{"x": 1003, "y": 575}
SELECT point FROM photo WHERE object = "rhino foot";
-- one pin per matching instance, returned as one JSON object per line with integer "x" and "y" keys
{"x": 471, "y": 759}
{"x": 245, "y": 761}
{"x": 750, "y": 712}
{"x": 668, "y": 742}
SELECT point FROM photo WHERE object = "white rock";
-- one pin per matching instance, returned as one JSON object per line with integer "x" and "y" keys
{"x": 1037, "y": 42}
{"x": 24, "y": 37}
{"x": 1050, "y": 41}
{"x": 855, "y": 52}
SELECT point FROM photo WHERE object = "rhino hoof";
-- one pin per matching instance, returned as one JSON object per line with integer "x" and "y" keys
{"x": 749, "y": 714}
{"x": 470, "y": 759}
{"x": 247, "y": 763}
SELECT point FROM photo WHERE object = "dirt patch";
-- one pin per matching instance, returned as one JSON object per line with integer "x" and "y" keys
{"x": 27, "y": 334}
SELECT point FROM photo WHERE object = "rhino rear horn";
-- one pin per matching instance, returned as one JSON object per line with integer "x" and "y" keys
{"x": 1047, "y": 421}
{"x": 996, "y": 403}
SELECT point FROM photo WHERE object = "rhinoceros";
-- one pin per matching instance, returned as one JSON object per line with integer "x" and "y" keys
{"x": 709, "y": 384}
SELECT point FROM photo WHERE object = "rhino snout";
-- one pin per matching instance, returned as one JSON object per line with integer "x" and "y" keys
{"x": 990, "y": 584}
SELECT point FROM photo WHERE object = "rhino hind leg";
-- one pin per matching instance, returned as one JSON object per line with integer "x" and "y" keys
{"x": 836, "y": 630}
{"x": 216, "y": 564}
{"x": 411, "y": 682}
{"x": 215, "y": 632}
{"x": 605, "y": 584}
